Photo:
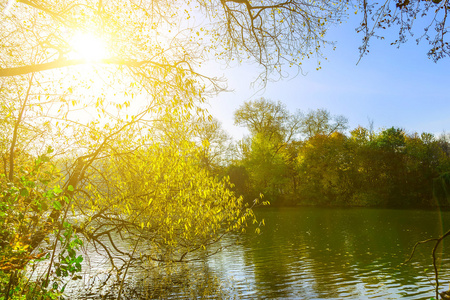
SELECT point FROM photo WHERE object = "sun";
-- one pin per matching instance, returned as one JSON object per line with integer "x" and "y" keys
{"x": 88, "y": 46}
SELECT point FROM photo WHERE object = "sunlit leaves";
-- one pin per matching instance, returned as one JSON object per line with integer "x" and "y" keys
{"x": 119, "y": 125}
{"x": 168, "y": 196}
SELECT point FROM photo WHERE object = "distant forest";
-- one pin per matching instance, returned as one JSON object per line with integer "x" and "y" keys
{"x": 315, "y": 159}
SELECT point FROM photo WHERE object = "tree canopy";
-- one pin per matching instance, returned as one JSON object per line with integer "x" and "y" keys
{"x": 311, "y": 159}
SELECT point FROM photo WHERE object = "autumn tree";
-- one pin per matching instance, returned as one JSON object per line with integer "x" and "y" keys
{"x": 325, "y": 166}
{"x": 387, "y": 168}
{"x": 394, "y": 168}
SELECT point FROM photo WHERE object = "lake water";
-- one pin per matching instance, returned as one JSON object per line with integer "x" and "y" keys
{"x": 313, "y": 253}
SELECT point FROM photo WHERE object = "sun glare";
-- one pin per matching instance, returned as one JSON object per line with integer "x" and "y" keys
{"x": 88, "y": 46}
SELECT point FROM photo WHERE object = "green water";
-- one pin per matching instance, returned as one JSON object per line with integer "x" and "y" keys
{"x": 302, "y": 253}
{"x": 310, "y": 253}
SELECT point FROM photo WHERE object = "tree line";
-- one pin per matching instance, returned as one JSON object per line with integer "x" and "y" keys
{"x": 315, "y": 159}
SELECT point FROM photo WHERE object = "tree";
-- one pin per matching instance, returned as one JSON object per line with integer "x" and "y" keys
{"x": 396, "y": 169}
{"x": 320, "y": 122}
{"x": 405, "y": 14}
{"x": 325, "y": 167}
{"x": 240, "y": 179}
{"x": 268, "y": 118}
{"x": 105, "y": 117}
{"x": 267, "y": 165}
{"x": 266, "y": 154}
{"x": 163, "y": 200}
{"x": 391, "y": 138}
{"x": 360, "y": 135}
{"x": 425, "y": 162}
{"x": 272, "y": 34}
{"x": 216, "y": 144}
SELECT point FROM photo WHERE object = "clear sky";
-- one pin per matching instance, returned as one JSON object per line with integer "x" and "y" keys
{"x": 391, "y": 86}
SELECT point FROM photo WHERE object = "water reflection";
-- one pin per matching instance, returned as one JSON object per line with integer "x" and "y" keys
{"x": 336, "y": 254}
{"x": 303, "y": 253}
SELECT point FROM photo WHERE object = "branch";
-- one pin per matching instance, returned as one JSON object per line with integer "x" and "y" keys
{"x": 42, "y": 8}
{"x": 16, "y": 128}
{"x": 63, "y": 63}
{"x": 437, "y": 242}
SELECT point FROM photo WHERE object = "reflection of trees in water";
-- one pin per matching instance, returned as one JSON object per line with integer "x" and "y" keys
{"x": 302, "y": 253}
{"x": 342, "y": 253}
{"x": 144, "y": 279}
{"x": 166, "y": 281}
{"x": 174, "y": 281}
{"x": 273, "y": 254}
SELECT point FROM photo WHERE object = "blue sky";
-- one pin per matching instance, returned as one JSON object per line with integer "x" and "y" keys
{"x": 391, "y": 86}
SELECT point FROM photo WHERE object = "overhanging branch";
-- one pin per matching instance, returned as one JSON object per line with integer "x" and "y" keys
{"x": 63, "y": 63}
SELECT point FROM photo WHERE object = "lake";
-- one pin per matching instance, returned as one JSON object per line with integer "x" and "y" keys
{"x": 311, "y": 253}
{"x": 317, "y": 253}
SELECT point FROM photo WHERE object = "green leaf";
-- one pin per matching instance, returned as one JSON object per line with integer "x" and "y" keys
{"x": 72, "y": 253}
{"x": 57, "y": 190}
{"x": 70, "y": 188}
{"x": 57, "y": 205}
{"x": 31, "y": 184}
{"x": 24, "y": 192}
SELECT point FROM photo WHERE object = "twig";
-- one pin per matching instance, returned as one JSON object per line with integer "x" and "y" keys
{"x": 126, "y": 269}
{"x": 436, "y": 245}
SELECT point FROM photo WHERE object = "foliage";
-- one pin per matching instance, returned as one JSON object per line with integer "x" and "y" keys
{"x": 268, "y": 166}
{"x": 392, "y": 138}
{"x": 161, "y": 197}
{"x": 265, "y": 153}
{"x": 240, "y": 180}
{"x": 441, "y": 191}
{"x": 387, "y": 169}
{"x": 325, "y": 170}
{"x": 365, "y": 168}
{"x": 24, "y": 289}
{"x": 24, "y": 206}
{"x": 128, "y": 162}
{"x": 26, "y": 203}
